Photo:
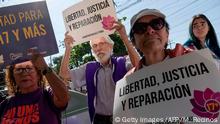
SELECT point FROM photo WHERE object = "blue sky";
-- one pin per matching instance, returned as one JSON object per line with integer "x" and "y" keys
{"x": 178, "y": 12}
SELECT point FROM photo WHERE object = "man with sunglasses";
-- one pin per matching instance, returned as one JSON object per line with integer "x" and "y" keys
{"x": 149, "y": 33}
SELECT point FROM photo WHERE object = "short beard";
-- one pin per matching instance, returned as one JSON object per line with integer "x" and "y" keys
{"x": 104, "y": 58}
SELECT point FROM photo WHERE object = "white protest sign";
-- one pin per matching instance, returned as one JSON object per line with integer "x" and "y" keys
{"x": 89, "y": 19}
{"x": 185, "y": 88}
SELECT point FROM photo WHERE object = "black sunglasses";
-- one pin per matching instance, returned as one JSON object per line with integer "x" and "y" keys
{"x": 141, "y": 27}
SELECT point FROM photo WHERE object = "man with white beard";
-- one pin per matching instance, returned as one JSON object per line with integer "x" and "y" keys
{"x": 100, "y": 76}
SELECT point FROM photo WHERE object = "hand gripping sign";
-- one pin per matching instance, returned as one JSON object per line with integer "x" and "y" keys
{"x": 185, "y": 88}
{"x": 89, "y": 19}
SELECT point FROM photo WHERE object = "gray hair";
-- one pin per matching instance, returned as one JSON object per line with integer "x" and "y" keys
{"x": 107, "y": 38}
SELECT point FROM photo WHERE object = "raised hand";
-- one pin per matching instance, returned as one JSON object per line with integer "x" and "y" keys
{"x": 120, "y": 28}
{"x": 68, "y": 40}
{"x": 37, "y": 59}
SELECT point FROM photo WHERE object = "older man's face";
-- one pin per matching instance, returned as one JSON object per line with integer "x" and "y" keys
{"x": 151, "y": 39}
{"x": 101, "y": 49}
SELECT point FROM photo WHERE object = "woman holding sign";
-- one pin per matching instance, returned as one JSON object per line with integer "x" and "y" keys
{"x": 30, "y": 101}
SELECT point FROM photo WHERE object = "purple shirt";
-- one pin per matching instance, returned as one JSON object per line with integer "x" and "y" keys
{"x": 34, "y": 107}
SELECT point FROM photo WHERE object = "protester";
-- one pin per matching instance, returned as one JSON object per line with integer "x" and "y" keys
{"x": 149, "y": 33}
{"x": 202, "y": 35}
{"x": 101, "y": 75}
{"x": 30, "y": 101}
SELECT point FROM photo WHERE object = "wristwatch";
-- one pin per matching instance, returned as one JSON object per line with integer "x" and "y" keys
{"x": 47, "y": 70}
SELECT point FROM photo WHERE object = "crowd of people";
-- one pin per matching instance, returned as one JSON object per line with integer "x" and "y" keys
{"x": 38, "y": 95}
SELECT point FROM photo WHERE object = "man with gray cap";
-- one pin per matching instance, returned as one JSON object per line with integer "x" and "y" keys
{"x": 149, "y": 33}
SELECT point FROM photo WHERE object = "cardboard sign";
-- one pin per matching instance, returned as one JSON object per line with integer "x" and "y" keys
{"x": 23, "y": 27}
{"x": 89, "y": 19}
{"x": 182, "y": 89}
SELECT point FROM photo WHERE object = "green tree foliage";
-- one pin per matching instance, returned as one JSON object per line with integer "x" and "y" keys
{"x": 82, "y": 54}
{"x": 78, "y": 53}
{"x": 119, "y": 48}
{"x": 56, "y": 63}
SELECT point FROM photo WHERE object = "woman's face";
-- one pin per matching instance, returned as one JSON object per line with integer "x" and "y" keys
{"x": 200, "y": 28}
{"x": 26, "y": 76}
{"x": 151, "y": 39}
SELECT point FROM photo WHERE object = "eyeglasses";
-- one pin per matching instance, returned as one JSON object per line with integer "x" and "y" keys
{"x": 22, "y": 70}
{"x": 141, "y": 27}
{"x": 101, "y": 44}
